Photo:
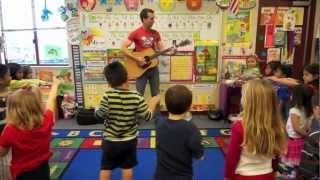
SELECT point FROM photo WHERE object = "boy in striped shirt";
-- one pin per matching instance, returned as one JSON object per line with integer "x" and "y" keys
{"x": 119, "y": 108}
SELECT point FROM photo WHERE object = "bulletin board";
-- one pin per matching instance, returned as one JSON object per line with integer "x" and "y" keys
{"x": 282, "y": 34}
{"x": 101, "y": 28}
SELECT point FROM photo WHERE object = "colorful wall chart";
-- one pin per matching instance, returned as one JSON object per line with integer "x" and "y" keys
{"x": 237, "y": 28}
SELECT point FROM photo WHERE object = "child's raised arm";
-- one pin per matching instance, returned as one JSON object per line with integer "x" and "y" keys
{"x": 51, "y": 104}
{"x": 286, "y": 81}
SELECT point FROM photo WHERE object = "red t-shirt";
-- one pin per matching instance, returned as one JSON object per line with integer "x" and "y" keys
{"x": 144, "y": 38}
{"x": 30, "y": 148}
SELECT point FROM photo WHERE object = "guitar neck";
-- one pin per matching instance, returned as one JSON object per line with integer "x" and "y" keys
{"x": 160, "y": 53}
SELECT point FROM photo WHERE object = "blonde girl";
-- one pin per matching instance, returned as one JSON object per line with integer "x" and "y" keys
{"x": 28, "y": 133}
{"x": 258, "y": 136}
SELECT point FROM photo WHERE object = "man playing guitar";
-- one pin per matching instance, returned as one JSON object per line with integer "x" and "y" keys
{"x": 145, "y": 37}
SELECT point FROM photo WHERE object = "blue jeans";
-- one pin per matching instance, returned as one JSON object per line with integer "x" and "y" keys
{"x": 153, "y": 76}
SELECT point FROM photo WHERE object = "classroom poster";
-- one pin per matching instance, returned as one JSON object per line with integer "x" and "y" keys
{"x": 297, "y": 35}
{"x": 203, "y": 97}
{"x": 181, "y": 68}
{"x": 273, "y": 54}
{"x": 93, "y": 94}
{"x": 288, "y": 50}
{"x": 94, "y": 58}
{"x": 93, "y": 74}
{"x": 206, "y": 63}
{"x": 289, "y": 21}
{"x": 237, "y": 28}
{"x": 269, "y": 36}
{"x": 299, "y": 13}
{"x": 240, "y": 50}
{"x": 52, "y": 52}
{"x": 73, "y": 31}
{"x": 233, "y": 68}
{"x": 114, "y": 55}
{"x": 287, "y": 58}
{"x": 278, "y": 36}
{"x": 94, "y": 62}
{"x": 268, "y": 15}
{"x": 281, "y": 11}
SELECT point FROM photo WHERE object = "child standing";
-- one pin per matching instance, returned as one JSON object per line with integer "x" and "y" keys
{"x": 15, "y": 71}
{"x": 17, "y": 82}
{"x": 258, "y": 136}
{"x": 283, "y": 92}
{"x": 27, "y": 72}
{"x": 297, "y": 127}
{"x": 178, "y": 140}
{"x": 252, "y": 70}
{"x": 28, "y": 133}
{"x": 119, "y": 108}
{"x": 309, "y": 166}
{"x": 311, "y": 77}
{"x": 271, "y": 68}
{"x": 5, "y": 79}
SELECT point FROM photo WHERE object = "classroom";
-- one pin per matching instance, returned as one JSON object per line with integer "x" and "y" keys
{"x": 159, "y": 89}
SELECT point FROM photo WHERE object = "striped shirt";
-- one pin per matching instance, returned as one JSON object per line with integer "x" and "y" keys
{"x": 119, "y": 109}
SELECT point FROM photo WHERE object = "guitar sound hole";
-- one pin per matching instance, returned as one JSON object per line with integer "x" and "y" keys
{"x": 147, "y": 59}
{"x": 148, "y": 62}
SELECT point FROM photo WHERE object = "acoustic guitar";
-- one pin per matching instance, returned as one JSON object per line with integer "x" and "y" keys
{"x": 150, "y": 57}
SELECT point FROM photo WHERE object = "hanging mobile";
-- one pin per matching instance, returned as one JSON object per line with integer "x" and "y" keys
{"x": 45, "y": 12}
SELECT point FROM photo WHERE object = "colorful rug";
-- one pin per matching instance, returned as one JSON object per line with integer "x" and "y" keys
{"x": 76, "y": 154}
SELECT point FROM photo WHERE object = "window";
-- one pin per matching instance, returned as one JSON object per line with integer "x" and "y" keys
{"x": 28, "y": 39}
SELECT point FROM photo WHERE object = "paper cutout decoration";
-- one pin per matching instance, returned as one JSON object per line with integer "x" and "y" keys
{"x": 131, "y": 5}
{"x": 89, "y": 35}
{"x": 69, "y": 11}
{"x": 194, "y": 5}
{"x": 45, "y": 12}
{"x": 167, "y": 5}
{"x": 88, "y": 5}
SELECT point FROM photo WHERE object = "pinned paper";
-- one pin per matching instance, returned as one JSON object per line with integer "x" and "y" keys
{"x": 289, "y": 21}
{"x": 268, "y": 41}
{"x": 297, "y": 35}
{"x": 268, "y": 15}
{"x": 274, "y": 54}
{"x": 181, "y": 68}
